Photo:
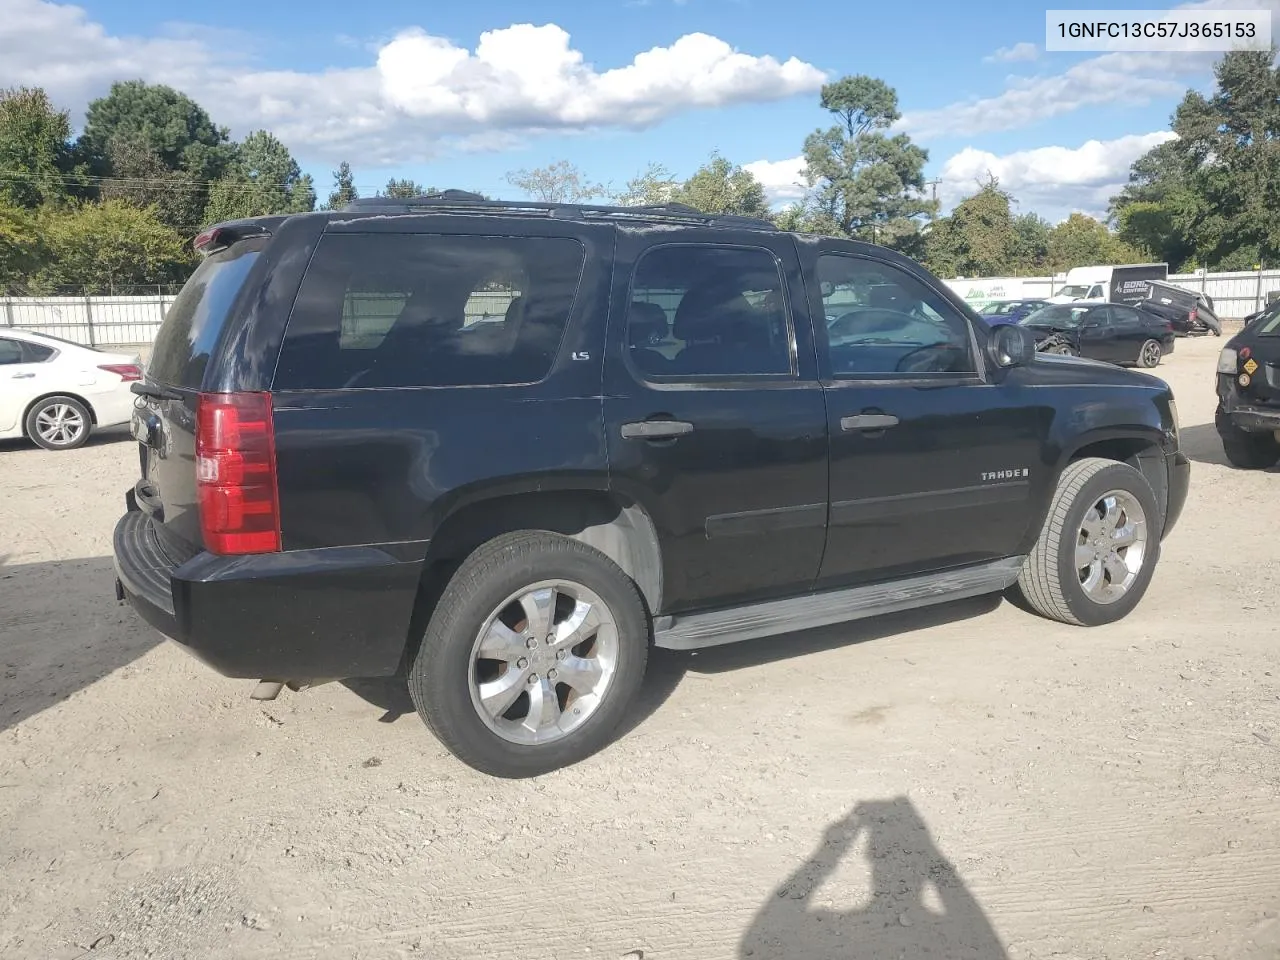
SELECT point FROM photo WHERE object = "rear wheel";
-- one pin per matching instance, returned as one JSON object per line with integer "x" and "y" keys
{"x": 1150, "y": 354}
{"x": 1098, "y": 547}
{"x": 533, "y": 656}
{"x": 59, "y": 423}
{"x": 1247, "y": 450}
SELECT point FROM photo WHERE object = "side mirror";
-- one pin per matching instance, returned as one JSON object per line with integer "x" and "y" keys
{"x": 826, "y": 288}
{"x": 1011, "y": 345}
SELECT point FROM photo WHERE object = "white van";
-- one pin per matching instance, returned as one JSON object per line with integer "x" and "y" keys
{"x": 1123, "y": 284}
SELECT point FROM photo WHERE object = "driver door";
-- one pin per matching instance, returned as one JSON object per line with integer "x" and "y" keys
{"x": 932, "y": 464}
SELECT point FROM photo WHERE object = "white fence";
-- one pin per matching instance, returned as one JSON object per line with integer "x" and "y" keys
{"x": 94, "y": 321}
{"x": 133, "y": 321}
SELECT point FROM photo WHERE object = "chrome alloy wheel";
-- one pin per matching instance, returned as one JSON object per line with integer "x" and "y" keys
{"x": 1111, "y": 546}
{"x": 60, "y": 424}
{"x": 543, "y": 662}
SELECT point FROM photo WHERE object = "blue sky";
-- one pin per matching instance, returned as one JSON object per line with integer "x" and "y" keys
{"x": 409, "y": 89}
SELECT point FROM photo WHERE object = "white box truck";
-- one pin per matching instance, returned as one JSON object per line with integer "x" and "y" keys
{"x": 1123, "y": 284}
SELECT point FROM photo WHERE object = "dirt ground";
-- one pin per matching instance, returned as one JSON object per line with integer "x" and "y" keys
{"x": 969, "y": 781}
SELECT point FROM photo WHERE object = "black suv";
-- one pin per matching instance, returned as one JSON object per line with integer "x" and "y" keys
{"x": 1248, "y": 416}
{"x": 506, "y": 448}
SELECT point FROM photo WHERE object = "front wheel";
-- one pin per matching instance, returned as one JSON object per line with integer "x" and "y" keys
{"x": 59, "y": 423}
{"x": 533, "y": 656}
{"x": 1098, "y": 547}
{"x": 1150, "y": 354}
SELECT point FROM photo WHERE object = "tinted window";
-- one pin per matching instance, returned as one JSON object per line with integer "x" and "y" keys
{"x": 36, "y": 352}
{"x": 194, "y": 321}
{"x": 703, "y": 311}
{"x": 11, "y": 351}
{"x": 1062, "y": 316}
{"x": 403, "y": 310}
{"x": 881, "y": 320}
{"x": 1123, "y": 318}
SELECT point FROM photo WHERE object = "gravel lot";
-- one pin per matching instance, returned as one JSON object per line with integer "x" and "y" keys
{"x": 966, "y": 782}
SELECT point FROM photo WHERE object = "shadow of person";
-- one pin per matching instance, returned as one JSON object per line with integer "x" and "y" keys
{"x": 918, "y": 905}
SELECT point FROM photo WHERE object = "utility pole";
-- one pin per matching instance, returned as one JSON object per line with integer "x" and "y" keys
{"x": 933, "y": 211}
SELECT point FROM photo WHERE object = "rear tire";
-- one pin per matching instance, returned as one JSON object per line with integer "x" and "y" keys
{"x": 1150, "y": 353}
{"x": 490, "y": 624}
{"x": 1247, "y": 450}
{"x": 59, "y": 423}
{"x": 1098, "y": 548}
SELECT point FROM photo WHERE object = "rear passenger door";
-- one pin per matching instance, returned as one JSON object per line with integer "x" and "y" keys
{"x": 714, "y": 418}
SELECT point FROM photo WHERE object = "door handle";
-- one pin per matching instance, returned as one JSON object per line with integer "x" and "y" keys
{"x": 23, "y": 376}
{"x": 869, "y": 421}
{"x": 655, "y": 429}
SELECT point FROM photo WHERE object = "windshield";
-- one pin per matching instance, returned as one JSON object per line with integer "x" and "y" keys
{"x": 1079, "y": 290}
{"x": 1064, "y": 316}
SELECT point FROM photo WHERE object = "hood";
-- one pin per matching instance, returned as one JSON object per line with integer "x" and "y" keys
{"x": 1049, "y": 369}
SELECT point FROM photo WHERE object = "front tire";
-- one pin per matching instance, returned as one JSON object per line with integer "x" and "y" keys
{"x": 1098, "y": 547}
{"x": 533, "y": 656}
{"x": 1150, "y": 354}
{"x": 59, "y": 423}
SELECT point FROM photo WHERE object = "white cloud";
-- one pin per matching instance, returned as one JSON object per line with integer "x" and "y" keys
{"x": 1132, "y": 79}
{"x": 783, "y": 180}
{"x": 1051, "y": 181}
{"x": 1019, "y": 51}
{"x": 420, "y": 91}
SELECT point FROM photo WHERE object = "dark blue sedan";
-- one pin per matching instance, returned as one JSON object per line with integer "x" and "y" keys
{"x": 1010, "y": 311}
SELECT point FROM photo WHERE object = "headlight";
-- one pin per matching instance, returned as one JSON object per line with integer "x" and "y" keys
{"x": 1227, "y": 361}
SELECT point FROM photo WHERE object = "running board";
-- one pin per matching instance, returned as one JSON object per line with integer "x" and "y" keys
{"x": 696, "y": 630}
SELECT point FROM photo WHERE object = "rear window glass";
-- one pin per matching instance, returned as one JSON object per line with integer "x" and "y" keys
{"x": 194, "y": 321}
{"x": 416, "y": 310}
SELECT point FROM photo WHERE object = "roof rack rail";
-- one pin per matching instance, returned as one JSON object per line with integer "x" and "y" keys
{"x": 463, "y": 201}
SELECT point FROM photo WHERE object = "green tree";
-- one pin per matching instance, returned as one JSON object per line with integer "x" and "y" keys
{"x": 110, "y": 245}
{"x": 169, "y": 123}
{"x": 721, "y": 187}
{"x": 868, "y": 185}
{"x": 652, "y": 187}
{"x": 1081, "y": 241}
{"x": 35, "y": 153}
{"x": 1212, "y": 196}
{"x": 559, "y": 182}
{"x": 139, "y": 176}
{"x": 405, "y": 189}
{"x": 344, "y": 188}
{"x": 264, "y": 179}
{"x": 23, "y": 250}
{"x": 978, "y": 239}
{"x": 1031, "y": 243}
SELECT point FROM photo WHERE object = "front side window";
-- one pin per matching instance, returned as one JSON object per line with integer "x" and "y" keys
{"x": 10, "y": 351}
{"x": 881, "y": 321}
{"x": 416, "y": 310}
{"x": 704, "y": 311}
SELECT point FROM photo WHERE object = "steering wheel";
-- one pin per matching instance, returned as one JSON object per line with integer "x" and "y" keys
{"x": 932, "y": 358}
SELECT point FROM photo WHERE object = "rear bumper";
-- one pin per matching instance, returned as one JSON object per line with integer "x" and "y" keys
{"x": 1240, "y": 416}
{"x": 331, "y": 613}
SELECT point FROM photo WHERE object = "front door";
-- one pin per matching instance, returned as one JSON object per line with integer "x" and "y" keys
{"x": 21, "y": 373}
{"x": 714, "y": 416}
{"x": 933, "y": 464}
{"x": 1099, "y": 335}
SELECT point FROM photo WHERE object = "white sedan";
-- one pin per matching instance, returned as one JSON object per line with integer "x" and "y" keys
{"x": 56, "y": 392}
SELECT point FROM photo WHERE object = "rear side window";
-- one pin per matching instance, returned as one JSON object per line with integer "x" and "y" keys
{"x": 704, "y": 311}
{"x": 194, "y": 321}
{"x": 419, "y": 310}
{"x": 36, "y": 352}
{"x": 11, "y": 351}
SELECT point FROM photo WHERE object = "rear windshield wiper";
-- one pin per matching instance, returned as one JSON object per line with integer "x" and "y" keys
{"x": 153, "y": 391}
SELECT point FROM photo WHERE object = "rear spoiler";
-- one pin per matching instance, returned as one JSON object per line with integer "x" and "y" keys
{"x": 222, "y": 235}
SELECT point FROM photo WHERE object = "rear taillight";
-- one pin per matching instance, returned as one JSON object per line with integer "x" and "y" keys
{"x": 1195, "y": 314}
{"x": 127, "y": 372}
{"x": 236, "y": 473}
